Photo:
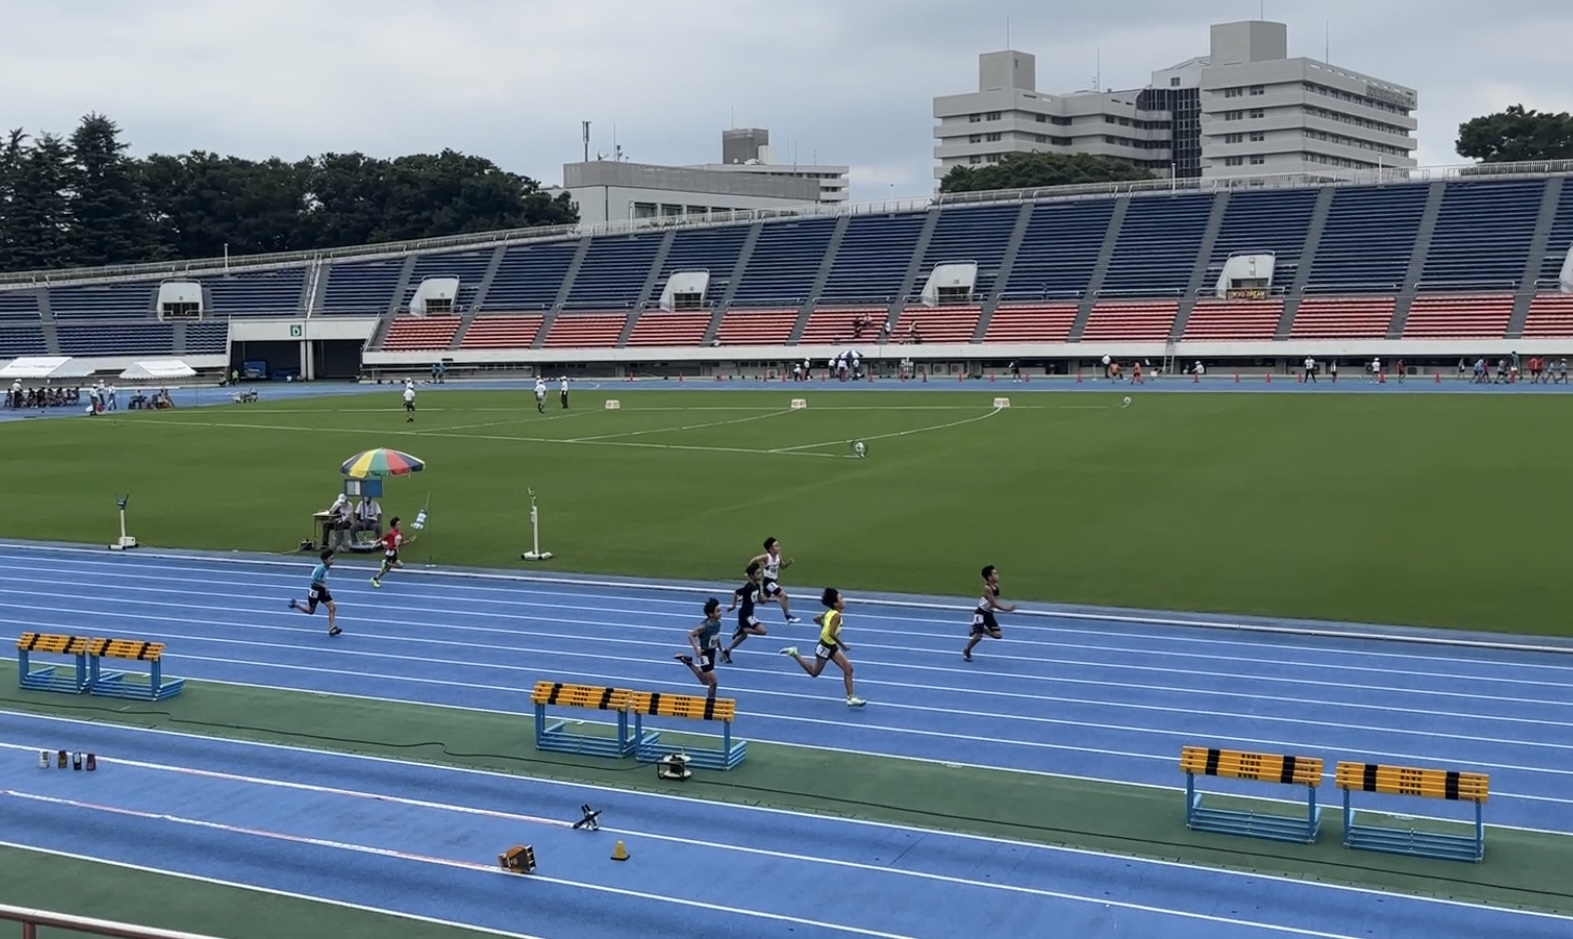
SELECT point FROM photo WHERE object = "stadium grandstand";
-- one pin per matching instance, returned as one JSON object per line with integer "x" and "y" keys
{"x": 1426, "y": 265}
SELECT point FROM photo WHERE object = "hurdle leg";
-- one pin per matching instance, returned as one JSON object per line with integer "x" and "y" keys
{"x": 1312, "y": 814}
{"x": 1349, "y": 821}
{"x": 1480, "y": 832}
{"x": 1190, "y": 798}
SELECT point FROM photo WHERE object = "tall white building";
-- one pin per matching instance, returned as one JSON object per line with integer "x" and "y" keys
{"x": 1245, "y": 109}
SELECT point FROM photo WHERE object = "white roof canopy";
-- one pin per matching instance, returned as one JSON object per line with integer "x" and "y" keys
{"x": 157, "y": 369}
{"x": 46, "y": 367}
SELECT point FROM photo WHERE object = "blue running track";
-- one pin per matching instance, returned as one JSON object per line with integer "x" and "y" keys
{"x": 1062, "y": 694}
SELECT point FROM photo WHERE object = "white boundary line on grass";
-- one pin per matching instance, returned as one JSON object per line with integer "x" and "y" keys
{"x": 797, "y": 813}
{"x": 583, "y": 580}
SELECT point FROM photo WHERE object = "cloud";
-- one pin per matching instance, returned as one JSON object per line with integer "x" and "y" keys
{"x": 851, "y": 83}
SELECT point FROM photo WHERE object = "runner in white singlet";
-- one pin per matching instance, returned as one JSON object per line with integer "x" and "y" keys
{"x": 772, "y": 563}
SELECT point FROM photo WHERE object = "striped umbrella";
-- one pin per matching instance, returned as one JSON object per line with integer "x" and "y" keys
{"x": 381, "y": 462}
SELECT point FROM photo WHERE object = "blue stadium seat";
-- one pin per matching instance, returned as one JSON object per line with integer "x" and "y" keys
{"x": 142, "y": 339}
{"x": 106, "y": 301}
{"x": 361, "y": 288}
{"x": 873, "y": 259}
{"x": 971, "y": 234}
{"x": 530, "y": 277}
{"x": 785, "y": 261}
{"x": 1060, "y": 250}
{"x": 1266, "y": 221}
{"x": 22, "y": 340}
{"x": 19, "y": 305}
{"x": 263, "y": 293}
{"x": 1560, "y": 240}
{"x": 1157, "y": 246}
{"x": 469, "y": 267}
{"x": 207, "y": 338}
{"x": 613, "y": 273}
{"x": 1368, "y": 239}
{"x": 704, "y": 249}
{"x": 1483, "y": 235}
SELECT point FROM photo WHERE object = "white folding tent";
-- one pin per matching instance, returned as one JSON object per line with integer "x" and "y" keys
{"x": 157, "y": 370}
{"x": 47, "y": 368}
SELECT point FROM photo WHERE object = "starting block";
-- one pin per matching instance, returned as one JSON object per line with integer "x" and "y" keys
{"x": 149, "y": 687}
{"x": 1302, "y": 771}
{"x": 1451, "y": 785}
{"x": 69, "y": 679}
{"x": 650, "y": 749}
{"x": 520, "y": 859}
{"x": 612, "y": 404}
{"x": 799, "y": 404}
{"x": 555, "y": 738}
{"x": 1001, "y": 403}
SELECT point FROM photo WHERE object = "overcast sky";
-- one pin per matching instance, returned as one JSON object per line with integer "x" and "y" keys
{"x": 843, "y": 82}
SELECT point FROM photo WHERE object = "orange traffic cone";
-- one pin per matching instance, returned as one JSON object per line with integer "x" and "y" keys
{"x": 620, "y": 852}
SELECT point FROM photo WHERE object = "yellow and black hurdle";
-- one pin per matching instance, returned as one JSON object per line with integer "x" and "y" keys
{"x": 556, "y": 737}
{"x": 1450, "y": 785}
{"x": 727, "y": 754}
{"x": 1304, "y": 772}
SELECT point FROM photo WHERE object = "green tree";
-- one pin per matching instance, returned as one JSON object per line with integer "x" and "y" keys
{"x": 1038, "y": 169}
{"x": 12, "y": 153}
{"x": 203, "y": 204}
{"x": 90, "y": 203}
{"x": 40, "y": 212}
{"x": 1517, "y": 135}
{"x": 109, "y": 206}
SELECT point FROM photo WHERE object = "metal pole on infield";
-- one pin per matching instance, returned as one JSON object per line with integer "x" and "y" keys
{"x": 535, "y": 554}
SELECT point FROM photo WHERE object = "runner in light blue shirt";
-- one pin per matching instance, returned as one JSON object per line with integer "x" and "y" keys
{"x": 318, "y": 593}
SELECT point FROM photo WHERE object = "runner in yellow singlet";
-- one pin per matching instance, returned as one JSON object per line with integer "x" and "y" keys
{"x": 831, "y": 648}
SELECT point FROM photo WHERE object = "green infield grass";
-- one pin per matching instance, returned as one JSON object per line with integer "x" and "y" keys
{"x": 1444, "y": 510}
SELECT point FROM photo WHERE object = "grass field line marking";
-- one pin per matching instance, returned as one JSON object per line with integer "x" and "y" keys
{"x": 462, "y": 615}
{"x": 576, "y": 787}
{"x": 724, "y": 846}
{"x": 470, "y": 866}
{"x": 494, "y": 437}
{"x": 79, "y": 857}
{"x": 1151, "y": 732}
{"x": 652, "y": 586}
{"x": 673, "y": 430}
{"x": 447, "y": 605}
{"x": 901, "y": 433}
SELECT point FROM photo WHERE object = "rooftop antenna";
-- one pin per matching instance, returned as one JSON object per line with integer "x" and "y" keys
{"x": 1097, "y": 74}
{"x": 1327, "y": 41}
{"x": 584, "y": 128}
{"x": 1007, "y": 34}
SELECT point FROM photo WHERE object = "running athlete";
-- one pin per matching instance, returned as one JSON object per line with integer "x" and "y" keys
{"x": 318, "y": 593}
{"x": 983, "y": 622}
{"x": 831, "y": 648}
{"x": 771, "y": 590}
{"x": 747, "y": 624}
{"x": 706, "y": 640}
{"x": 391, "y": 541}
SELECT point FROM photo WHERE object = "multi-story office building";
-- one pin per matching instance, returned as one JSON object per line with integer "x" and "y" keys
{"x": 1245, "y": 109}
{"x": 745, "y": 180}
